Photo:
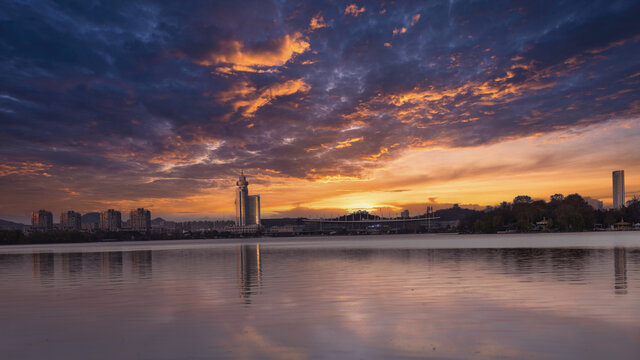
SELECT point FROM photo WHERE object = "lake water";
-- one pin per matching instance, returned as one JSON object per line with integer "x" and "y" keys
{"x": 544, "y": 296}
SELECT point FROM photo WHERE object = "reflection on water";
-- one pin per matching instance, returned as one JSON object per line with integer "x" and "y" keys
{"x": 249, "y": 272}
{"x": 620, "y": 264}
{"x": 275, "y": 300}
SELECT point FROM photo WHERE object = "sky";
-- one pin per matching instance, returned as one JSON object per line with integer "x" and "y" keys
{"x": 328, "y": 107}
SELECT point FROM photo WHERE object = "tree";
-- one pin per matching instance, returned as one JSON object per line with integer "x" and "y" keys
{"x": 574, "y": 214}
{"x": 556, "y": 198}
{"x": 522, "y": 199}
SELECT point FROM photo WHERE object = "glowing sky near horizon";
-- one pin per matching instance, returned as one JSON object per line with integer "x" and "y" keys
{"x": 328, "y": 107}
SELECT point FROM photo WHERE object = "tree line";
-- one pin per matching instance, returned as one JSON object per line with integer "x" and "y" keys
{"x": 560, "y": 213}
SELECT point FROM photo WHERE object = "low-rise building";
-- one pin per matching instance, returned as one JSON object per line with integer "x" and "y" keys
{"x": 70, "y": 221}
{"x": 110, "y": 220}
{"x": 140, "y": 219}
{"x": 41, "y": 220}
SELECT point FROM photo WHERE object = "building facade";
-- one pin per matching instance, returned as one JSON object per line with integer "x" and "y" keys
{"x": 618, "y": 189}
{"x": 594, "y": 203}
{"x": 70, "y": 221}
{"x": 110, "y": 220}
{"x": 247, "y": 206}
{"x": 42, "y": 220}
{"x": 140, "y": 219}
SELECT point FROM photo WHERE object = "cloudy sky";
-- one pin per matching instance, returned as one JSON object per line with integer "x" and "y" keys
{"x": 327, "y": 106}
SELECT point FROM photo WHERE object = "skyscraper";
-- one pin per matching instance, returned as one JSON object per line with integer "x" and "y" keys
{"x": 70, "y": 220}
{"x": 110, "y": 220}
{"x": 618, "y": 189}
{"x": 247, "y": 206}
{"x": 140, "y": 219}
{"x": 42, "y": 220}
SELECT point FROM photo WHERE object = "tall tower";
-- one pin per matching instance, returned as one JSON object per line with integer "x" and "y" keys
{"x": 247, "y": 206}
{"x": 618, "y": 189}
{"x": 242, "y": 193}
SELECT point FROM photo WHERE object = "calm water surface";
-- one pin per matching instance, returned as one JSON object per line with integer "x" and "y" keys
{"x": 548, "y": 296}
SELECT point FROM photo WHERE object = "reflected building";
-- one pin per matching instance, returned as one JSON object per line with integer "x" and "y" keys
{"x": 620, "y": 270}
{"x": 141, "y": 263}
{"x": 111, "y": 264}
{"x": 249, "y": 271}
{"x": 71, "y": 264}
{"x": 43, "y": 266}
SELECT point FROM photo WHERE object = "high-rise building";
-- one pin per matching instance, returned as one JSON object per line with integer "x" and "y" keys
{"x": 404, "y": 214}
{"x": 618, "y": 189}
{"x": 110, "y": 220}
{"x": 42, "y": 220}
{"x": 70, "y": 220}
{"x": 247, "y": 206}
{"x": 140, "y": 219}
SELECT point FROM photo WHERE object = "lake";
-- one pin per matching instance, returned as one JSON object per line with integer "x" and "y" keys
{"x": 542, "y": 296}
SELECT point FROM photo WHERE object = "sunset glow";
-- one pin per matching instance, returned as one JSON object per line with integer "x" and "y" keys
{"x": 327, "y": 108}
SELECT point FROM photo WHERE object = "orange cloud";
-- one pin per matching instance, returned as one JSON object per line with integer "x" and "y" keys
{"x": 317, "y": 22}
{"x": 237, "y": 57}
{"x": 414, "y": 19}
{"x": 433, "y": 104}
{"x": 242, "y": 68}
{"x": 347, "y": 143}
{"x": 245, "y": 96}
{"x": 24, "y": 168}
{"x": 353, "y": 10}
{"x": 399, "y": 31}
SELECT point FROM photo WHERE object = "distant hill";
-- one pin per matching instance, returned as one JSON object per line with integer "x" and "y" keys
{"x": 92, "y": 217}
{"x": 454, "y": 213}
{"x": 10, "y": 225}
{"x": 157, "y": 221}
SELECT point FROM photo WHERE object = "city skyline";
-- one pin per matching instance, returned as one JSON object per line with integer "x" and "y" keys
{"x": 329, "y": 108}
{"x": 248, "y": 210}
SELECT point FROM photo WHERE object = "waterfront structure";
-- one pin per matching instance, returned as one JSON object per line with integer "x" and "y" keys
{"x": 70, "y": 221}
{"x": 110, "y": 220}
{"x": 618, "y": 189}
{"x": 247, "y": 206}
{"x": 42, "y": 220}
{"x": 140, "y": 220}
{"x": 369, "y": 224}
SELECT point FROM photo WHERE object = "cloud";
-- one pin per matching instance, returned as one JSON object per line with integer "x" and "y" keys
{"x": 414, "y": 19}
{"x": 353, "y": 10}
{"x": 171, "y": 100}
{"x": 348, "y": 142}
{"x": 246, "y": 97}
{"x": 271, "y": 54}
{"x": 399, "y": 31}
{"x": 317, "y": 22}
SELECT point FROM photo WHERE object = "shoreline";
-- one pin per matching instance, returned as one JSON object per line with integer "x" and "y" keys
{"x": 590, "y": 240}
